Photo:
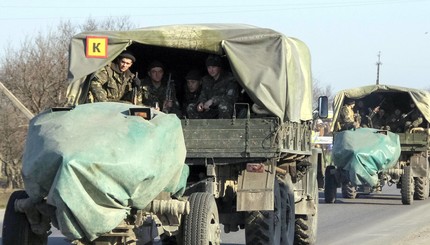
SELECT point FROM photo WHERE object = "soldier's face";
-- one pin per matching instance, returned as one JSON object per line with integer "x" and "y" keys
{"x": 124, "y": 64}
{"x": 156, "y": 74}
{"x": 193, "y": 85}
{"x": 214, "y": 71}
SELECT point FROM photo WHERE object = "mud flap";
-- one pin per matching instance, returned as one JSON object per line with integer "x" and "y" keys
{"x": 255, "y": 189}
{"x": 307, "y": 188}
{"x": 419, "y": 165}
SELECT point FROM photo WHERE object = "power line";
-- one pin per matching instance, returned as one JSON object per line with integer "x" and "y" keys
{"x": 182, "y": 6}
{"x": 216, "y": 9}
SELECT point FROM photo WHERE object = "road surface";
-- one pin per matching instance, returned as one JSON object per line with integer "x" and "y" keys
{"x": 374, "y": 219}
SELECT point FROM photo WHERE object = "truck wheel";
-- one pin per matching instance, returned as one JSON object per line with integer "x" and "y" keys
{"x": 407, "y": 186}
{"x": 16, "y": 228}
{"x": 263, "y": 227}
{"x": 201, "y": 225}
{"x": 330, "y": 186}
{"x": 288, "y": 215}
{"x": 348, "y": 190}
{"x": 421, "y": 188}
{"x": 306, "y": 227}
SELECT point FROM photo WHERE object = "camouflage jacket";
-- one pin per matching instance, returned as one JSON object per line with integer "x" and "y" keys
{"x": 152, "y": 95}
{"x": 190, "y": 98}
{"x": 110, "y": 84}
{"x": 225, "y": 89}
{"x": 346, "y": 117}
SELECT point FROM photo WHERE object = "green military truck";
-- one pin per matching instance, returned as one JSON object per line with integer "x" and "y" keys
{"x": 256, "y": 171}
{"x": 409, "y": 170}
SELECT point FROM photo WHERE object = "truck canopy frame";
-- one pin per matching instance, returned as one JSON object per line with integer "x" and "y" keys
{"x": 273, "y": 69}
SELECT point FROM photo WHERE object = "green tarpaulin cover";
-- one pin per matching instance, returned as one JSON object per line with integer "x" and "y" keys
{"x": 363, "y": 153}
{"x": 95, "y": 162}
{"x": 420, "y": 97}
{"x": 275, "y": 70}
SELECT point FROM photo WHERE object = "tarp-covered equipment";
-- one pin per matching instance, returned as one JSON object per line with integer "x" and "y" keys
{"x": 95, "y": 162}
{"x": 365, "y": 152}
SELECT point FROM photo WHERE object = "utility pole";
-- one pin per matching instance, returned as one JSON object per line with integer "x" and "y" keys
{"x": 378, "y": 64}
{"x": 16, "y": 102}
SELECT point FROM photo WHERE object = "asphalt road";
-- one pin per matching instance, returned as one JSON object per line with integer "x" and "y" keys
{"x": 373, "y": 219}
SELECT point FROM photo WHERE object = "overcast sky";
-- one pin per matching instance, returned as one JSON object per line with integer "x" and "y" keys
{"x": 344, "y": 36}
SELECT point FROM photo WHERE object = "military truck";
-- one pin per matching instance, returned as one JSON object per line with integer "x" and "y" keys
{"x": 410, "y": 171}
{"x": 255, "y": 171}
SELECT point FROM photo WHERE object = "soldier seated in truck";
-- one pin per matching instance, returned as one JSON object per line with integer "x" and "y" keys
{"x": 158, "y": 90}
{"x": 414, "y": 117}
{"x": 394, "y": 121}
{"x": 220, "y": 91}
{"x": 347, "y": 119}
{"x": 114, "y": 82}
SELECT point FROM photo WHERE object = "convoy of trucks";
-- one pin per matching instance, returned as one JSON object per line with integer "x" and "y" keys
{"x": 256, "y": 171}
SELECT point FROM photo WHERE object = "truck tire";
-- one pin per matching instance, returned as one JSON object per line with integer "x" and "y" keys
{"x": 421, "y": 188}
{"x": 407, "y": 186}
{"x": 306, "y": 227}
{"x": 16, "y": 228}
{"x": 201, "y": 226}
{"x": 263, "y": 227}
{"x": 330, "y": 186}
{"x": 348, "y": 190}
{"x": 288, "y": 215}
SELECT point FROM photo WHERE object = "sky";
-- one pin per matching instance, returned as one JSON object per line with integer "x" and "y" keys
{"x": 346, "y": 38}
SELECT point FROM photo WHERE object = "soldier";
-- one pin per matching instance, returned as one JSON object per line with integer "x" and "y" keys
{"x": 192, "y": 90}
{"x": 346, "y": 117}
{"x": 413, "y": 118}
{"x": 158, "y": 92}
{"x": 393, "y": 121}
{"x": 114, "y": 82}
{"x": 362, "y": 114}
{"x": 379, "y": 121}
{"x": 219, "y": 92}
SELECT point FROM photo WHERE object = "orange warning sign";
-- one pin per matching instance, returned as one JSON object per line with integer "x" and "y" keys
{"x": 96, "y": 47}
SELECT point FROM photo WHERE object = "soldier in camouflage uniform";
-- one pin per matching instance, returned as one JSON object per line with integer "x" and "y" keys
{"x": 219, "y": 92}
{"x": 157, "y": 92}
{"x": 114, "y": 82}
{"x": 394, "y": 121}
{"x": 193, "y": 89}
{"x": 414, "y": 118}
{"x": 346, "y": 117}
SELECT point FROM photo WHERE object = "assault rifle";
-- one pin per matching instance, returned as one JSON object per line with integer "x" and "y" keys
{"x": 405, "y": 115}
{"x": 136, "y": 86}
{"x": 168, "y": 93}
{"x": 373, "y": 113}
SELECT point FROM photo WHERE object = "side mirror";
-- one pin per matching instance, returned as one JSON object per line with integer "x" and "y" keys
{"x": 323, "y": 107}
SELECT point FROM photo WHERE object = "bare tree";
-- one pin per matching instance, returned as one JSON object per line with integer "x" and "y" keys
{"x": 109, "y": 24}
{"x": 12, "y": 132}
{"x": 319, "y": 89}
{"x": 36, "y": 73}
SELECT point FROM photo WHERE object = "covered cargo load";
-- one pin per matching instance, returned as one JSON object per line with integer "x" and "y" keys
{"x": 364, "y": 153}
{"x": 95, "y": 162}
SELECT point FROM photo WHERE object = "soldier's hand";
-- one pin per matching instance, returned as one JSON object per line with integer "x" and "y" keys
{"x": 136, "y": 82}
{"x": 208, "y": 104}
{"x": 200, "y": 107}
{"x": 168, "y": 104}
